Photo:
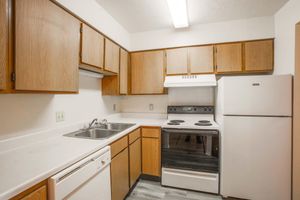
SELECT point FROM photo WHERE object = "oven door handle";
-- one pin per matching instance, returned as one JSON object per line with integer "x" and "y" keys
{"x": 191, "y": 131}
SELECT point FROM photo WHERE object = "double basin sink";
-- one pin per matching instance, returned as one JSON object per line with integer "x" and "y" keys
{"x": 102, "y": 131}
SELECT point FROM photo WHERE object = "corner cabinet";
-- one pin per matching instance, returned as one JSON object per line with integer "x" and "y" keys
{"x": 147, "y": 72}
{"x": 124, "y": 69}
{"x": 3, "y": 44}
{"x": 46, "y": 47}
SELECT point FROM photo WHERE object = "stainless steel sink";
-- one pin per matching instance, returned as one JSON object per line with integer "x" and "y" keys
{"x": 115, "y": 126}
{"x": 100, "y": 132}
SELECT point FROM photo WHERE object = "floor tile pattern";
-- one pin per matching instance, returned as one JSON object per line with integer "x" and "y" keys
{"x": 150, "y": 190}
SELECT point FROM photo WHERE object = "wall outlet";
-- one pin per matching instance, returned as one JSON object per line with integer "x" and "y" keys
{"x": 60, "y": 116}
{"x": 114, "y": 107}
{"x": 151, "y": 106}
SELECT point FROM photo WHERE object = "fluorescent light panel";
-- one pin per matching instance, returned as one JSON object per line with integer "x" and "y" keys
{"x": 178, "y": 9}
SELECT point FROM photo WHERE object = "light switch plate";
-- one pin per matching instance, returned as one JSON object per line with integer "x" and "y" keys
{"x": 151, "y": 107}
{"x": 60, "y": 116}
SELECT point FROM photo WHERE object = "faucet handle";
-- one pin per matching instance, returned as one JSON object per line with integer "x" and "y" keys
{"x": 104, "y": 121}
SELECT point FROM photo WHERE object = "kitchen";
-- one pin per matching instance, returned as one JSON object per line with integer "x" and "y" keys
{"x": 229, "y": 80}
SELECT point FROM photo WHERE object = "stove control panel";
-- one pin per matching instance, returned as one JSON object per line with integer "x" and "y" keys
{"x": 191, "y": 110}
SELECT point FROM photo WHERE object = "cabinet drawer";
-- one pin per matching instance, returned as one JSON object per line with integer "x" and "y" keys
{"x": 151, "y": 132}
{"x": 118, "y": 146}
{"x": 134, "y": 135}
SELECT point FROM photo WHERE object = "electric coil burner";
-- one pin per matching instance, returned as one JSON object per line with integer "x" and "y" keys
{"x": 190, "y": 149}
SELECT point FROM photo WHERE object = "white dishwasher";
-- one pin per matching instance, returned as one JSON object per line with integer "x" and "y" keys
{"x": 86, "y": 179}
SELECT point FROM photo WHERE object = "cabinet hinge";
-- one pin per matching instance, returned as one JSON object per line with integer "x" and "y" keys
{"x": 80, "y": 29}
{"x": 13, "y": 76}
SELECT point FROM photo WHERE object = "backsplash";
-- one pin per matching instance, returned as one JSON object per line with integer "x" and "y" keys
{"x": 159, "y": 103}
{"x": 26, "y": 113}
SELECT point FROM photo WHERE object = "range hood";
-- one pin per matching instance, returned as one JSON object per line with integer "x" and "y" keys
{"x": 190, "y": 81}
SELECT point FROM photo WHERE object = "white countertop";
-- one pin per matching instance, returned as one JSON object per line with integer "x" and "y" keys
{"x": 29, "y": 160}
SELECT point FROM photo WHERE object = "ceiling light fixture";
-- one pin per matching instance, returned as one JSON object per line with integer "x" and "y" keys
{"x": 178, "y": 10}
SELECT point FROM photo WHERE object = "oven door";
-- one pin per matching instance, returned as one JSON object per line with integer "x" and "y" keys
{"x": 189, "y": 149}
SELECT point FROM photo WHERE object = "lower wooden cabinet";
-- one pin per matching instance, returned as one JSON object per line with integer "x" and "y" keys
{"x": 151, "y": 151}
{"x": 135, "y": 162}
{"x": 119, "y": 175}
{"x": 37, "y": 192}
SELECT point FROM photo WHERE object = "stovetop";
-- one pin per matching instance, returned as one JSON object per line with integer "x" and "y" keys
{"x": 191, "y": 117}
{"x": 206, "y": 124}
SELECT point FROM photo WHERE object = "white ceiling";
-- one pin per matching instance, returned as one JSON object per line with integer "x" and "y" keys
{"x": 146, "y": 15}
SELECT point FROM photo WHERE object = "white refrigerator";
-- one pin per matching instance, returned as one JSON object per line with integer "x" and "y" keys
{"x": 255, "y": 115}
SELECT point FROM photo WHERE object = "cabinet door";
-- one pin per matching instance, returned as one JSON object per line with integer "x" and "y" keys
{"x": 147, "y": 72}
{"x": 177, "y": 61}
{"x": 111, "y": 56}
{"x": 201, "y": 59}
{"x": 39, "y": 194}
{"x": 92, "y": 47}
{"x": 151, "y": 156}
{"x": 3, "y": 42}
{"x": 47, "y": 47}
{"x": 135, "y": 161}
{"x": 229, "y": 58}
{"x": 123, "y": 72}
{"x": 110, "y": 85}
{"x": 259, "y": 55}
{"x": 119, "y": 176}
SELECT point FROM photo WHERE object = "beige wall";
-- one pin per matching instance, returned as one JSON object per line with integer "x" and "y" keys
{"x": 22, "y": 114}
{"x": 296, "y": 136}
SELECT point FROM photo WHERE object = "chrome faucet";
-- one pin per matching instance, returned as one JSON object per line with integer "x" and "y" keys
{"x": 92, "y": 123}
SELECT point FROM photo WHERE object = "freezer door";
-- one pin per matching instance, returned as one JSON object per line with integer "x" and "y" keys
{"x": 256, "y": 158}
{"x": 257, "y": 95}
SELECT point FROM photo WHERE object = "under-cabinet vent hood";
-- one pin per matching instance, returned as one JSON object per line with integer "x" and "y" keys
{"x": 191, "y": 81}
{"x": 90, "y": 74}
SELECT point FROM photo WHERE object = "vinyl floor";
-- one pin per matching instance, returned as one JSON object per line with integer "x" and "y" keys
{"x": 150, "y": 190}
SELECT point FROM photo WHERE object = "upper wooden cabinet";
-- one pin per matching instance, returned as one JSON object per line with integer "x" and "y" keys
{"x": 46, "y": 47}
{"x": 259, "y": 55}
{"x": 147, "y": 72}
{"x": 124, "y": 58}
{"x": 110, "y": 85}
{"x": 201, "y": 59}
{"x": 112, "y": 52}
{"x": 177, "y": 61}
{"x": 92, "y": 47}
{"x": 3, "y": 43}
{"x": 229, "y": 58}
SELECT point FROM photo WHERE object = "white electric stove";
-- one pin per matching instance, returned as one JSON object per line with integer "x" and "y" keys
{"x": 190, "y": 149}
